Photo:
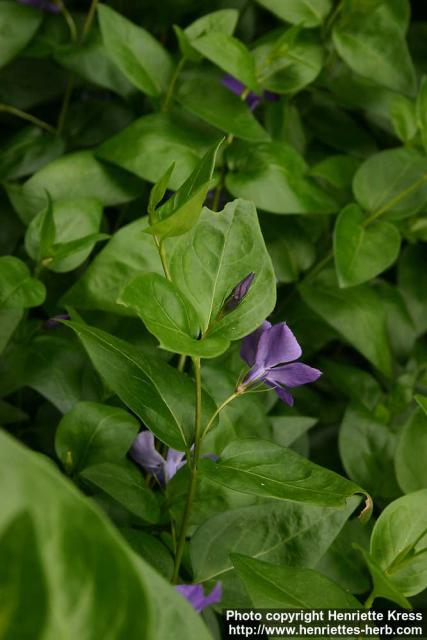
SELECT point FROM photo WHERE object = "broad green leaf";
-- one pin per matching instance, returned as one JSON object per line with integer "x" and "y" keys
{"x": 126, "y": 485}
{"x": 158, "y": 191}
{"x": 23, "y": 606}
{"x": 353, "y": 382}
{"x": 86, "y": 555}
{"x": 230, "y": 55}
{"x": 292, "y": 249}
{"x": 376, "y": 48}
{"x": 288, "y": 61}
{"x": 56, "y": 368}
{"x": 9, "y": 320}
{"x": 278, "y": 532}
{"x": 18, "y": 24}
{"x": 411, "y": 453}
{"x": 392, "y": 182}
{"x": 402, "y": 113}
{"x": 382, "y": 587}
{"x": 343, "y": 563}
{"x": 203, "y": 94}
{"x": 90, "y": 60}
{"x": 276, "y": 587}
{"x": 400, "y": 326}
{"x": 169, "y": 316}
{"x": 399, "y": 543}
{"x": 274, "y": 176}
{"x": 73, "y": 220}
{"x": 150, "y": 549}
{"x": 75, "y": 175}
{"x": 356, "y": 313}
{"x": 92, "y": 434}
{"x": 152, "y": 143}
{"x": 214, "y": 257}
{"x": 337, "y": 170}
{"x": 129, "y": 252}
{"x": 413, "y": 263}
{"x": 267, "y": 470}
{"x": 288, "y": 429}
{"x": 366, "y": 448}
{"x": 18, "y": 290}
{"x": 221, "y": 21}
{"x": 140, "y": 57}
{"x": 28, "y": 151}
{"x": 181, "y": 212}
{"x": 67, "y": 253}
{"x": 160, "y": 395}
{"x": 421, "y": 111}
{"x": 422, "y": 401}
{"x": 307, "y": 13}
{"x": 362, "y": 251}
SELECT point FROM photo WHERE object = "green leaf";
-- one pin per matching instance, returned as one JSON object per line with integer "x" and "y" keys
{"x": 76, "y": 175}
{"x": 169, "y": 316}
{"x": 9, "y": 320}
{"x": 215, "y": 256}
{"x": 24, "y": 610}
{"x": 337, "y": 170}
{"x": 376, "y": 48}
{"x": 392, "y": 182}
{"x": 126, "y": 485}
{"x": 18, "y": 24}
{"x": 399, "y": 543}
{"x": 307, "y": 13}
{"x": 230, "y": 55}
{"x": 149, "y": 145}
{"x": 366, "y": 448}
{"x": 362, "y": 251}
{"x": 274, "y": 176}
{"x": 422, "y": 401}
{"x": 203, "y": 94}
{"x": 47, "y": 232}
{"x": 382, "y": 585}
{"x": 140, "y": 57}
{"x": 129, "y": 252}
{"x": 421, "y": 111}
{"x": 411, "y": 453}
{"x": 86, "y": 555}
{"x": 277, "y": 587}
{"x": 278, "y": 532}
{"x": 92, "y": 434}
{"x": 160, "y": 395}
{"x": 265, "y": 469}
{"x": 150, "y": 549}
{"x": 412, "y": 263}
{"x": 354, "y": 383}
{"x": 356, "y": 313}
{"x": 288, "y": 61}
{"x": 181, "y": 212}
{"x": 28, "y": 151}
{"x": 402, "y": 113}
{"x": 158, "y": 191}
{"x": 222, "y": 21}
{"x": 72, "y": 220}
{"x": 18, "y": 290}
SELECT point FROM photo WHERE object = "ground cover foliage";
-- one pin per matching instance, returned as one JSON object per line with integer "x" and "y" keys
{"x": 178, "y": 180}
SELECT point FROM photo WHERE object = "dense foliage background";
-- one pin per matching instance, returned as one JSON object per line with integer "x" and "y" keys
{"x": 323, "y": 111}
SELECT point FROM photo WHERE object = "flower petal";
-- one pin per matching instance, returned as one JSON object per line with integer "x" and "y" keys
{"x": 144, "y": 453}
{"x": 195, "y": 595}
{"x": 278, "y": 346}
{"x": 250, "y": 343}
{"x": 284, "y": 395}
{"x": 293, "y": 375}
{"x": 174, "y": 461}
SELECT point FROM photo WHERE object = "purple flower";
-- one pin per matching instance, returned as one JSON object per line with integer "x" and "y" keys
{"x": 196, "y": 597}
{"x": 270, "y": 352}
{"x": 144, "y": 453}
{"x": 55, "y": 321}
{"x": 43, "y": 5}
{"x": 252, "y": 99}
{"x": 239, "y": 292}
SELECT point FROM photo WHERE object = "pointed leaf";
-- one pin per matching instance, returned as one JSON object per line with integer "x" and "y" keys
{"x": 18, "y": 290}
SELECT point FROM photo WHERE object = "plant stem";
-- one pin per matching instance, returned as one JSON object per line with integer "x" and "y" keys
{"x": 89, "y": 19}
{"x": 171, "y": 88}
{"x": 162, "y": 254}
{"x": 69, "y": 20}
{"x": 7, "y": 108}
{"x": 181, "y": 363}
{"x": 370, "y": 600}
{"x": 65, "y": 104}
{"x": 219, "y": 409}
{"x": 193, "y": 470}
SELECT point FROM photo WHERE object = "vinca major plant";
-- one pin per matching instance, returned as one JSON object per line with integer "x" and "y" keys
{"x": 213, "y": 312}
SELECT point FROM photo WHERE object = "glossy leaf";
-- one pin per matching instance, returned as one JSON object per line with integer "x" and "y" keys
{"x": 265, "y": 469}
{"x": 221, "y": 21}
{"x": 92, "y": 434}
{"x": 28, "y": 151}
{"x": 135, "y": 51}
{"x": 411, "y": 453}
{"x": 308, "y": 13}
{"x": 18, "y": 290}
{"x": 233, "y": 241}
{"x": 382, "y": 586}
{"x": 18, "y": 24}
{"x": 362, "y": 250}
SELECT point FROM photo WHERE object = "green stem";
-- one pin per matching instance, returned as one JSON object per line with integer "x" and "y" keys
{"x": 162, "y": 254}
{"x": 370, "y": 600}
{"x": 89, "y": 19}
{"x": 14, "y": 111}
{"x": 69, "y": 20}
{"x": 181, "y": 363}
{"x": 193, "y": 471}
{"x": 65, "y": 104}
{"x": 219, "y": 409}
{"x": 171, "y": 88}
